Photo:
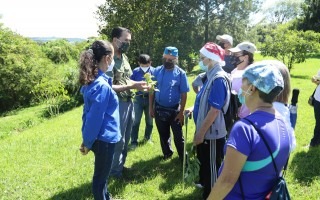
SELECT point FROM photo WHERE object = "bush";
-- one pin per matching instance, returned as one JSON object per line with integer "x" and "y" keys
{"x": 22, "y": 65}
{"x": 60, "y": 51}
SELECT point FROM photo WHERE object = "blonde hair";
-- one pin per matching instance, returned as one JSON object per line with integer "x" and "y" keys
{"x": 283, "y": 97}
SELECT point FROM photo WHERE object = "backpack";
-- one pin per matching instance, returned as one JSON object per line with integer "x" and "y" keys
{"x": 231, "y": 113}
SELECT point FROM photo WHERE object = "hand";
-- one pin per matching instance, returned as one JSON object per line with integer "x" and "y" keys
{"x": 315, "y": 80}
{"x": 180, "y": 118}
{"x": 198, "y": 139}
{"x": 141, "y": 86}
{"x": 151, "y": 112}
{"x": 188, "y": 111}
{"x": 84, "y": 150}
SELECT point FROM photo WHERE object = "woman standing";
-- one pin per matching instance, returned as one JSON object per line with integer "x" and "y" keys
{"x": 315, "y": 141}
{"x": 208, "y": 115}
{"x": 244, "y": 56}
{"x": 101, "y": 122}
{"x": 246, "y": 154}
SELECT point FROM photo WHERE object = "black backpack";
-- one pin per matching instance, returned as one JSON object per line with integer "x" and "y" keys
{"x": 231, "y": 115}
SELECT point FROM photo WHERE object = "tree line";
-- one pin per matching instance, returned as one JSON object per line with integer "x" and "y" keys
{"x": 33, "y": 72}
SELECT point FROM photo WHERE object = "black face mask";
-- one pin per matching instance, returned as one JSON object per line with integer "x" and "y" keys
{"x": 168, "y": 64}
{"x": 124, "y": 47}
{"x": 221, "y": 44}
{"x": 235, "y": 61}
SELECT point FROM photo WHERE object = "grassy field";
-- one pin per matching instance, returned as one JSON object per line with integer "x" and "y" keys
{"x": 40, "y": 158}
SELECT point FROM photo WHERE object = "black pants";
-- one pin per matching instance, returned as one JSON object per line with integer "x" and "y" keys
{"x": 315, "y": 141}
{"x": 210, "y": 154}
{"x": 164, "y": 120}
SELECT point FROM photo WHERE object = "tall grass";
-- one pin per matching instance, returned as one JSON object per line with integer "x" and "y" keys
{"x": 42, "y": 161}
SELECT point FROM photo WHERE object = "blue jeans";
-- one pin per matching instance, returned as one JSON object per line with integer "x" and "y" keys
{"x": 141, "y": 105}
{"x": 103, "y": 153}
{"x": 121, "y": 150}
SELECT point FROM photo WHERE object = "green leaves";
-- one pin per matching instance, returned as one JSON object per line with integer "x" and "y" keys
{"x": 193, "y": 166}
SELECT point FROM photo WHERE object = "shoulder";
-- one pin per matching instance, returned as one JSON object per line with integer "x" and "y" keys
{"x": 180, "y": 70}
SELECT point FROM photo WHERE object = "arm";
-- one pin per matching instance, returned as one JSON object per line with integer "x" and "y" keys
{"x": 151, "y": 100}
{"x": 182, "y": 107}
{"x": 208, "y": 120}
{"x": 315, "y": 80}
{"x": 233, "y": 163}
{"x": 139, "y": 85}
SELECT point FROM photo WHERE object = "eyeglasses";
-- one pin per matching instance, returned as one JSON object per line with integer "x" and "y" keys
{"x": 202, "y": 57}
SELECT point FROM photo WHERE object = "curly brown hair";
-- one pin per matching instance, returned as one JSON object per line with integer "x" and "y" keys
{"x": 90, "y": 59}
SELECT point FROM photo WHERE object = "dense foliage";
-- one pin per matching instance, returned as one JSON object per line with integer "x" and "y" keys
{"x": 28, "y": 76}
{"x": 186, "y": 24}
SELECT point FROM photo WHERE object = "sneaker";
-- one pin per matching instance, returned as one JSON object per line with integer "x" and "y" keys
{"x": 198, "y": 185}
{"x": 168, "y": 156}
{"x": 133, "y": 146}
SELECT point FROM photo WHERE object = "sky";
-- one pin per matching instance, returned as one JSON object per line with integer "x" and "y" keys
{"x": 54, "y": 18}
{"x": 51, "y": 18}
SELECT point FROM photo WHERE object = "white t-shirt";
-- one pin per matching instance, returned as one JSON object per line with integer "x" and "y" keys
{"x": 285, "y": 113}
{"x": 317, "y": 93}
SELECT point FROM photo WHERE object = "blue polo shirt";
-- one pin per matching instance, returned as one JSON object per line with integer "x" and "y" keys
{"x": 171, "y": 84}
{"x": 217, "y": 96}
{"x": 138, "y": 73}
{"x": 100, "y": 117}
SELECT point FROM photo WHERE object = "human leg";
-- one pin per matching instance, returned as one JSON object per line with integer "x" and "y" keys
{"x": 148, "y": 120}
{"x": 163, "y": 127}
{"x": 138, "y": 109}
{"x": 120, "y": 152}
{"x": 178, "y": 137}
{"x": 103, "y": 153}
{"x": 315, "y": 141}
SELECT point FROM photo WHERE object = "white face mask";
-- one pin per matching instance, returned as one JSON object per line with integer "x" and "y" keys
{"x": 144, "y": 69}
{"x": 110, "y": 67}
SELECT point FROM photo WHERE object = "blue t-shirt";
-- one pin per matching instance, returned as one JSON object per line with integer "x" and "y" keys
{"x": 138, "y": 73}
{"x": 217, "y": 96}
{"x": 100, "y": 112}
{"x": 171, "y": 84}
{"x": 258, "y": 174}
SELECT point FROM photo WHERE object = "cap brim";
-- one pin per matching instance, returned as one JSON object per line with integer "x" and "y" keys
{"x": 235, "y": 50}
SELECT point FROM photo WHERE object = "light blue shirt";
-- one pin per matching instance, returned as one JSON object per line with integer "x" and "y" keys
{"x": 100, "y": 112}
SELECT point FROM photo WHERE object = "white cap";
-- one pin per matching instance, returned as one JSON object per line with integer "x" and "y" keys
{"x": 244, "y": 46}
{"x": 225, "y": 37}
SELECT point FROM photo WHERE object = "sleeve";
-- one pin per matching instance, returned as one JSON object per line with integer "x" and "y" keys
{"x": 184, "y": 85}
{"x": 197, "y": 82}
{"x": 95, "y": 115}
{"x": 241, "y": 137}
{"x": 218, "y": 93}
{"x": 133, "y": 75}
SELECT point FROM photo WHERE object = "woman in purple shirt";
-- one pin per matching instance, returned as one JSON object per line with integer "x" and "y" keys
{"x": 246, "y": 155}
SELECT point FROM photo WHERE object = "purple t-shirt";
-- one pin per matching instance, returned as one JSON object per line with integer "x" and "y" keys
{"x": 258, "y": 174}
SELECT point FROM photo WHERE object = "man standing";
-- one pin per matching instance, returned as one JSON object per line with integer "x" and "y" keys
{"x": 226, "y": 42}
{"x": 167, "y": 104}
{"x": 121, "y": 73}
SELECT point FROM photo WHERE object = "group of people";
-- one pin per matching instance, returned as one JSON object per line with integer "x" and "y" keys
{"x": 112, "y": 113}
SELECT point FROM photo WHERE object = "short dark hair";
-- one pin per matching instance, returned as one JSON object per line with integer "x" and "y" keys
{"x": 144, "y": 59}
{"x": 269, "y": 98}
{"x": 117, "y": 32}
{"x": 250, "y": 55}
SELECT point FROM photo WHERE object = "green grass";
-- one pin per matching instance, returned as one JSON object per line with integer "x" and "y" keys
{"x": 41, "y": 160}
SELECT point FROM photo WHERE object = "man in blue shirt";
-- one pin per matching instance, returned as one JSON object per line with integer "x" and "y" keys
{"x": 168, "y": 102}
{"x": 141, "y": 101}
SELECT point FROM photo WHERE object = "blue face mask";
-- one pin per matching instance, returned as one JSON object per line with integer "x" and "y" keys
{"x": 203, "y": 67}
{"x": 241, "y": 96}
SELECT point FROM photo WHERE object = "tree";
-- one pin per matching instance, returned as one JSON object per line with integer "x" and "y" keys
{"x": 290, "y": 46}
{"x": 186, "y": 24}
{"x": 310, "y": 19}
{"x": 282, "y": 11}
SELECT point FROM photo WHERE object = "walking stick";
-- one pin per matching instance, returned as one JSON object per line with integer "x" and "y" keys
{"x": 186, "y": 116}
